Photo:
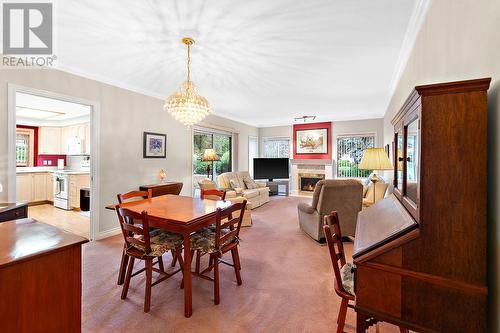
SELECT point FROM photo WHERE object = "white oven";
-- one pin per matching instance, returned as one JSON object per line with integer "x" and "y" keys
{"x": 61, "y": 188}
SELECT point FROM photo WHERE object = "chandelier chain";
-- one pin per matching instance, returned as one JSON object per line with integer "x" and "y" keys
{"x": 189, "y": 63}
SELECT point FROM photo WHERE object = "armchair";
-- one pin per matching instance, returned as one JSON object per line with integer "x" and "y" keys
{"x": 342, "y": 195}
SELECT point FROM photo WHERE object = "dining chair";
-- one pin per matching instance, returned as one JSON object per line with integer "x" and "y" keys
{"x": 132, "y": 196}
{"x": 213, "y": 194}
{"x": 343, "y": 270}
{"x": 225, "y": 238}
{"x": 141, "y": 244}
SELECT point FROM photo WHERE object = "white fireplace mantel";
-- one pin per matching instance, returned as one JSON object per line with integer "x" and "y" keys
{"x": 316, "y": 166}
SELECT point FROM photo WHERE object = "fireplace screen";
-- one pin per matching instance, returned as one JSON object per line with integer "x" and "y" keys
{"x": 307, "y": 181}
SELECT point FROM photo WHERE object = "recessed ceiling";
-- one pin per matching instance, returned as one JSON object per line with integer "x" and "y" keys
{"x": 260, "y": 62}
{"x": 32, "y": 108}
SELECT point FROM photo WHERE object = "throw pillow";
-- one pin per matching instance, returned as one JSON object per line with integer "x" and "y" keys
{"x": 250, "y": 183}
{"x": 234, "y": 184}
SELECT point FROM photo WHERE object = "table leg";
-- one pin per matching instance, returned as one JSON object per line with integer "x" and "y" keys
{"x": 188, "y": 297}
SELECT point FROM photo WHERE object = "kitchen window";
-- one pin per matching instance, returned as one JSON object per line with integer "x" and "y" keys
{"x": 24, "y": 147}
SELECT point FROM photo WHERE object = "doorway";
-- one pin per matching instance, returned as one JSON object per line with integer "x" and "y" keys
{"x": 52, "y": 158}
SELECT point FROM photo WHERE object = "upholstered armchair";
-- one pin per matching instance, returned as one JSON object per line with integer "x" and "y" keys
{"x": 342, "y": 195}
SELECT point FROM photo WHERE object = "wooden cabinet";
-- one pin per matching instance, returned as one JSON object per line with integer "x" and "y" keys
{"x": 49, "y": 140}
{"x": 34, "y": 187}
{"x": 41, "y": 274}
{"x": 421, "y": 254}
{"x": 13, "y": 211}
{"x": 76, "y": 182}
{"x": 54, "y": 140}
{"x": 24, "y": 184}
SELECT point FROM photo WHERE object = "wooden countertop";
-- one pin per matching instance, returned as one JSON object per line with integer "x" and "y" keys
{"x": 6, "y": 206}
{"x": 27, "y": 238}
{"x": 380, "y": 224}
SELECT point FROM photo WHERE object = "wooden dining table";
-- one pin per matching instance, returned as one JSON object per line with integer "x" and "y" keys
{"x": 183, "y": 215}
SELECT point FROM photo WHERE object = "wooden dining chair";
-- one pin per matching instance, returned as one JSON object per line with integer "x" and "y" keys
{"x": 213, "y": 194}
{"x": 141, "y": 244}
{"x": 225, "y": 238}
{"x": 132, "y": 195}
{"x": 343, "y": 270}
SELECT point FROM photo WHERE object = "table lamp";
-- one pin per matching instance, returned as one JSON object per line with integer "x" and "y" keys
{"x": 209, "y": 156}
{"x": 162, "y": 174}
{"x": 375, "y": 159}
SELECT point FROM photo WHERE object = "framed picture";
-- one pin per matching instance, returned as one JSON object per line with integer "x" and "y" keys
{"x": 154, "y": 145}
{"x": 312, "y": 141}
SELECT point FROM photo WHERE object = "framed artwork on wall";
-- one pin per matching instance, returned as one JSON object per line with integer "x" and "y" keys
{"x": 312, "y": 141}
{"x": 154, "y": 145}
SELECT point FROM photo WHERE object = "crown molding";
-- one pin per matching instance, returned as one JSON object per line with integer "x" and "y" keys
{"x": 415, "y": 24}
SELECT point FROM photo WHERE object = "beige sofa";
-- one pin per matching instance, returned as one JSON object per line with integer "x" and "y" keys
{"x": 342, "y": 195}
{"x": 257, "y": 197}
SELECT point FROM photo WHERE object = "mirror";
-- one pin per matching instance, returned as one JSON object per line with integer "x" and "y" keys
{"x": 412, "y": 148}
{"x": 399, "y": 160}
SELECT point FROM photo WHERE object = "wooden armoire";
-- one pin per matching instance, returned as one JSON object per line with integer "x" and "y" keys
{"x": 420, "y": 254}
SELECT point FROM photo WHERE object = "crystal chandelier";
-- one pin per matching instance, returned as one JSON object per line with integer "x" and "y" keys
{"x": 185, "y": 105}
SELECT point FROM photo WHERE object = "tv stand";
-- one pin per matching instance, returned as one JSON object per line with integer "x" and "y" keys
{"x": 274, "y": 187}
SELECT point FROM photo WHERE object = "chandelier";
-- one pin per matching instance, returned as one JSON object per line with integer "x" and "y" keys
{"x": 185, "y": 105}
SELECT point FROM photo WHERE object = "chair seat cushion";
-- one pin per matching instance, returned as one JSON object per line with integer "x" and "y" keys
{"x": 251, "y": 193}
{"x": 204, "y": 240}
{"x": 161, "y": 242}
{"x": 347, "y": 275}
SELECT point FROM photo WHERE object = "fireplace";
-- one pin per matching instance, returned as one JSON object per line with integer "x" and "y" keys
{"x": 307, "y": 181}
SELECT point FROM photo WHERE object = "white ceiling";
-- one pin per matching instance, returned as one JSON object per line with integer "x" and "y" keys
{"x": 44, "y": 111}
{"x": 260, "y": 62}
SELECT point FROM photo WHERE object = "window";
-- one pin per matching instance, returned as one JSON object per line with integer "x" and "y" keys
{"x": 222, "y": 145}
{"x": 253, "y": 152}
{"x": 349, "y": 153}
{"x": 276, "y": 147}
{"x": 24, "y": 147}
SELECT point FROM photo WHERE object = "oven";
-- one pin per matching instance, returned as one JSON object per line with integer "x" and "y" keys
{"x": 61, "y": 190}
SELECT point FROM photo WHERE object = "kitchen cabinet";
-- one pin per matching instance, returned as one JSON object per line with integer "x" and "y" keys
{"x": 34, "y": 187}
{"x": 76, "y": 182}
{"x": 49, "y": 140}
{"x": 39, "y": 187}
{"x": 24, "y": 183}
{"x": 75, "y": 131}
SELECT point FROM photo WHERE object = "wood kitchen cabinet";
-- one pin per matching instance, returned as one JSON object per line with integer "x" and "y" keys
{"x": 77, "y": 182}
{"x": 49, "y": 140}
{"x": 34, "y": 187}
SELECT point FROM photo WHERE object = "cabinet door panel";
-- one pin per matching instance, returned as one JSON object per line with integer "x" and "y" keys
{"x": 39, "y": 187}
{"x": 23, "y": 187}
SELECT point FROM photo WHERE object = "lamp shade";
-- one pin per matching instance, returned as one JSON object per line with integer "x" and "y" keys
{"x": 210, "y": 155}
{"x": 375, "y": 159}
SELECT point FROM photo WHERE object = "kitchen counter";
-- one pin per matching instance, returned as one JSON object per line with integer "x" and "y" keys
{"x": 34, "y": 169}
{"x": 71, "y": 172}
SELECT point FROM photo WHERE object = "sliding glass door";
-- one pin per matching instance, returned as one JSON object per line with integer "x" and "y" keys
{"x": 221, "y": 143}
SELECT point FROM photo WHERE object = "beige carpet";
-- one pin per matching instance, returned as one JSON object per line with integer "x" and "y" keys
{"x": 287, "y": 286}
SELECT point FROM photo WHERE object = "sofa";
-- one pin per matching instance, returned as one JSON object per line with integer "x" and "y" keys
{"x": 342, "y": 195}
{"x": 234, "y": 185}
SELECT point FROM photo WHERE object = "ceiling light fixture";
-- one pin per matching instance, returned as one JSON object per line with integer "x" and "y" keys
{"x": 304, "y": 118}
{"x": 185, "y": 105}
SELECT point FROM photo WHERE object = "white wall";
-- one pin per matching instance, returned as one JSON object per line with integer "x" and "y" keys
{"x": 460, "y": 40}
{"x": 124, "y": 116}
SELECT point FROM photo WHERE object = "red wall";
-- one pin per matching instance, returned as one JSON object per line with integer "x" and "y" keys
{"x": 328, "y": 155}
{"x": 52, "y": 159}
{"x": 35, "y": 142}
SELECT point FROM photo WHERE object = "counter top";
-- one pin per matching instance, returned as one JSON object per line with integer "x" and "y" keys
{"x": 6, "y": 206}
{"x": 50, "y": 170}
{"x": 27, "y": 238}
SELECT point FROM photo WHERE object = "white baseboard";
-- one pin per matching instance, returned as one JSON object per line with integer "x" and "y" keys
{"x": 109, "y": 233}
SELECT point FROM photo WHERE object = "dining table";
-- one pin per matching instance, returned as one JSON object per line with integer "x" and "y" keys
{"x": 183, "y": 215}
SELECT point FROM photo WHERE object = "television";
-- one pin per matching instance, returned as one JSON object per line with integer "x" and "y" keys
{"x": 270, "y": 168}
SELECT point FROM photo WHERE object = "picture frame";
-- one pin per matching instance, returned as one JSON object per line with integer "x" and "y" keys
{"x": 154, "y": 145}
{"x": 312, "y": 141}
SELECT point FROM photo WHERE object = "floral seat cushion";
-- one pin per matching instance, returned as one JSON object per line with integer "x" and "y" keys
{"x": 161, "y": 242}
{"x": 347, "y": 275}
{"x": 204, "y": 240}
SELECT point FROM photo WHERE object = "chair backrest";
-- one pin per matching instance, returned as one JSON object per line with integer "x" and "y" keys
{"x": 135, "y": 228}
{"x": 136, "y": 195}
{"x": 213, "y": 194}
{"x": 224, "y": 220}
{"x": 333, "y": 237}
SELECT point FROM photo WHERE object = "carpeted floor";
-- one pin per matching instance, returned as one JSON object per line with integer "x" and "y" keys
{"x": 287, "y": 286}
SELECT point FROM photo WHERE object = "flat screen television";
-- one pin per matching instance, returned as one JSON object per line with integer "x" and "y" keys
{"x": 270, "y": 168}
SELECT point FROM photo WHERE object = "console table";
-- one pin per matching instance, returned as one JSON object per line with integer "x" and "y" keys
{"x": 163, "y": 188}
{"x": 274, "y": 187}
